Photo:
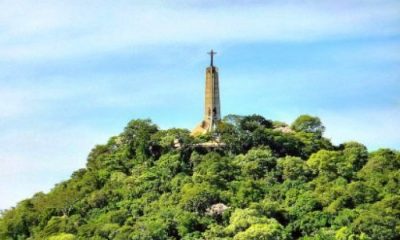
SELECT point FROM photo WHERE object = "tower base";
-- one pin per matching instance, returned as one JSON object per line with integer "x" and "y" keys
{"x": 201, "y": 129}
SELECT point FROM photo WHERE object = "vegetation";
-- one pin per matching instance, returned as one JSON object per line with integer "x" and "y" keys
{"x": 265, "y": 183}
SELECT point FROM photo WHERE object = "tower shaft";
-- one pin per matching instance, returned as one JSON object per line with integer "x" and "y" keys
{"x": 212, "y": 106}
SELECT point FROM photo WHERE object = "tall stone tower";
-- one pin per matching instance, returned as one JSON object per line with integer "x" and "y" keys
{"x": 212, "y": 105}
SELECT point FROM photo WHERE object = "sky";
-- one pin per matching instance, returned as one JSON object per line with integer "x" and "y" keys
{"x": 74, "y": 73}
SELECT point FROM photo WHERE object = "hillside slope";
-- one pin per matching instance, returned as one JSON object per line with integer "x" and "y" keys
{"x": 269, "y": 182}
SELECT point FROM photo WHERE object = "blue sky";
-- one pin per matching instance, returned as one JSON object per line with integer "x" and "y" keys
{"x": 73, "y": 73}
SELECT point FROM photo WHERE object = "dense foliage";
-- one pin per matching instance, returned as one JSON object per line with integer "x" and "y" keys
{"x": 270, "y": 181}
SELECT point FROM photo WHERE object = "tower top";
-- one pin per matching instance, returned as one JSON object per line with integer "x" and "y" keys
{"x": 212, "y": 53}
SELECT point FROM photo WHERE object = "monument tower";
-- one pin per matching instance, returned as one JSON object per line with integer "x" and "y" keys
{"x": 212, "y": 105}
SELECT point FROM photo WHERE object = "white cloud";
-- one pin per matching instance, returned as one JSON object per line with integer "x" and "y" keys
{"x": 48, "y": 29}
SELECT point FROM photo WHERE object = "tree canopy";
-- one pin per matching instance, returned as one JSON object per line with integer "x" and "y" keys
{"x": 265, "y": 183}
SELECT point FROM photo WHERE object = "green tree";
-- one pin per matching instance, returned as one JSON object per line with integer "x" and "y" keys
{"x": 252, "y": 122}
{"x": 376, "y": 226}
{"x": 247, "y": 191}
{"x": 63, "y": 236}
{"x": 137, "y": 136}
{"x": 256, "y": 163}
{"x": 294, "y": 168}
{"x": 275, "y": 185}
{"x": 308, "y": 124}
{"x": 198, "y": 197}
{"x": 331, "y": 164}
{"x": 63, "y": 198}
{"x": 272, "y": 231}
{"x": 214, "y": 169}
{"x": 242, "y": 219}
{"x": 356, "y": 154}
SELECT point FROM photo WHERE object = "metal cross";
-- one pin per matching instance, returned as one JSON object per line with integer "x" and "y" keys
{"x": 212, "y": 53}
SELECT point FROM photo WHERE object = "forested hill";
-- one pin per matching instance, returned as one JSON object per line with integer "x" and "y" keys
{"x": 270, "y": 181}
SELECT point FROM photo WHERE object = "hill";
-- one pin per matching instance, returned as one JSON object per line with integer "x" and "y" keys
{"x": 269, "y": 181}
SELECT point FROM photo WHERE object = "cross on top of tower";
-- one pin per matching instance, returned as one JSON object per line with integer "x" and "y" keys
{"x": 212, "y": 53}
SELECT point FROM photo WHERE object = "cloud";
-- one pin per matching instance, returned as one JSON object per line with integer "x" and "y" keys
{"x": 63, "y": 29}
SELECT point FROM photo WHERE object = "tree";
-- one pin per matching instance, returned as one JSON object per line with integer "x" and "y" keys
{"x": 63, "y": 198}
{"x": 275, "y": 185}
{"x": 272, "y": 231}
{"x": 356, "y": 154}
{"x": 361, "y": 193}
{"x": 233, "y": 119}
{"x": 283, "y": 144}
{"x": 236, "y": 140}
{"x": 247, "y": 191}
{"x": 376, "y": 226}
{"x": 215, "y": 170}
{"x": 331, "y": 164}
{"x": 56, "y": 225}
{"x": 137, "y": 136}
{"x": 198, "y": 197}
{"x": 309, "y": 124}
{"x": 294, "y": 168}
{"x": 241, "y": 219}
{"x": 252, "y": 122}
{"x": 250, "y": 224}
{"x": 15, "y": 223}
{"x": 166, "y": 138}
{"x": 63, "y": 236}
{"x": 256, "y": 162}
